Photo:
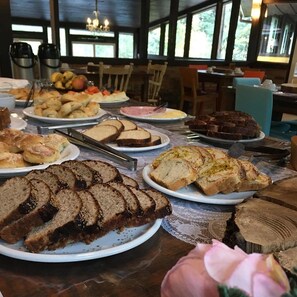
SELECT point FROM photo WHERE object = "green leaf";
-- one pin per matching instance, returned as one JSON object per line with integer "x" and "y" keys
{"x": 224, "y": 291}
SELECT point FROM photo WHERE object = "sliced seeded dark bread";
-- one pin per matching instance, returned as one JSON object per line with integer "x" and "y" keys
{"x": 66, "y": 176}
{"x": 43, "y": 212}
{"x": 15, "y": 200}
{"x": 106, "y": 171}
{"x": 85, "y": 175}
{"x": 56, "y": 232}
{"x": 49, "y": 178}
{"x": 129, "y": 181}
{"x": 113, "y": 206}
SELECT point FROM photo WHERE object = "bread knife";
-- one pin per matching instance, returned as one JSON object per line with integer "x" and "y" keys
{"x": 78, "y": 138}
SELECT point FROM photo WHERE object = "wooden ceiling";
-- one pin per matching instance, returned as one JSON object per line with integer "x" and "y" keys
{"x": 120, "y": 13}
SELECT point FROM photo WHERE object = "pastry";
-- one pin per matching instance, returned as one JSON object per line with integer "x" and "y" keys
{"x": 40, "y": 153}
{"x": 12, "y": 160}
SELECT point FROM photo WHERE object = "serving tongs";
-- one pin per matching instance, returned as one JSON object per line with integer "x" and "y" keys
{"x": 80, "y": 139}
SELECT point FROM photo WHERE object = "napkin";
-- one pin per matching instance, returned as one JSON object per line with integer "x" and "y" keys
{"x": 12, "y": 83}
{"x": 294, "y": 152}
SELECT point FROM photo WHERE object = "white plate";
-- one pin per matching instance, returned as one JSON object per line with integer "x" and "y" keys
{"x": 29, "y": 112}
{"x": 71, "y": 152}
{"x": 112, "y": 101}
{"x": 221, "y": 140}
{"x": 22, "y": 103}
{"x": 111, "y": 244}
{"x": 169, "y": 115}
{"x": 17, "y": 123}
{"x": 192, "y": 193}
{"x": 164, "y": 141}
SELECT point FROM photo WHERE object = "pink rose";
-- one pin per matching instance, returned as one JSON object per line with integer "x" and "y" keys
{"x": 207, "y": 265}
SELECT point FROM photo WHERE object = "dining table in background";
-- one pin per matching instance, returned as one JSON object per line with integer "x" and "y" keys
{"x": 221, "y": 78}
{"x": 135, "y": 272}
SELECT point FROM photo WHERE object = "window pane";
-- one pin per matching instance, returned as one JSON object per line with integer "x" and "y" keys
{"x": 242, "y": 35}
{"x": 277, "y": 34}
{"x": 202, "y": 33}
{"x": 166, "y": 40}
{"x": 82, "y": 49}
{"x": 105, "y": 50}
{"x": 86, "y": 32}
{"x": 154, "y": 41}
{"x": 224, "y": 29}
{"x": 62, "y": 39}
{"x": 26, "y": 28}
{"x": 180, "y": 37}
{"x": 126, "y": 45}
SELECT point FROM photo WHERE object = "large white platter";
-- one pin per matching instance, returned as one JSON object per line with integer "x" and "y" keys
{"x": 221, "y": 140}
{"x": 169, "y": 115}
{"x": 111, "y": 100}
{"x": 111, "y": 244}
{"x": 71, "y": 152}
{"x": 17, "y": 123}
{"x": 192, "y": 193}
{"x": 164, "y": 141}
{"x": 29, "y": 112}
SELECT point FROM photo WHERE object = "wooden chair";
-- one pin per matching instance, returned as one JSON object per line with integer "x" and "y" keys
{"x": 190, "y": 91}
{"x": 116, "y": 77}
{"x": 254, "y": 73}
{"x": 155, "y": 82}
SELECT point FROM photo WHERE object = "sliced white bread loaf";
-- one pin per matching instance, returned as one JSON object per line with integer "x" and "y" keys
{"x": 15, "y": 199}
{"x": 105, "y": 170}
{"x": 67, "y": 177}
{"x": 43, "y": 212}
{"x": 113, "y": 122}
{"x": 48, "y": 177}
{"x": 155, "y": 140}
{"x": 85, "y": 175}
{"x": 103, "y": 133}
{"x": 56, "y": 232}
{"x": 174, "y": 173}
{"x": 128, "y": 125}
{"x": 134, "y": 137}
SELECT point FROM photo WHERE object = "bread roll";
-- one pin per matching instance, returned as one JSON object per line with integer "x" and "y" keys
{"x": 40, "y": 154}
{"x": 12, "y": 160}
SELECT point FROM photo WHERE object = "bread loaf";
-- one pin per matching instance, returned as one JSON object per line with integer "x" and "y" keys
{"x": 104, "y": 134}
{"x": 134, "y": 137}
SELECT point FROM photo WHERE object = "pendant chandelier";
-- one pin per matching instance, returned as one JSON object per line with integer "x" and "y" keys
{"x": 94, "y": 25}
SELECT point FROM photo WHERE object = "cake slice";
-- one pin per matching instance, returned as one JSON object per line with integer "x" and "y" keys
{"x": 56, "y": 232}
{"x": 16, "y": 200}
{"x": 43, "y": 212}
{"x": 104, "y": 133}
{"x": 113, "y": 122}
{"x": 128, "y": 125}
{"x": 134, "y": 137}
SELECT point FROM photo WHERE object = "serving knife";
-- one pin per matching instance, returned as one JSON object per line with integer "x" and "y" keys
{"x": 112, "y": 154}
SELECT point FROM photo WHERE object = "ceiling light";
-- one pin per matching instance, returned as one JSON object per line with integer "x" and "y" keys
{"x": 94, "y": 25}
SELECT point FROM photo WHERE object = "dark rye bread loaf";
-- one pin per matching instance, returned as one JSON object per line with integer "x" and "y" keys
{"x": 113, "y": 206}
{"x": 15, "y": 200}
{"x": 129, "y": 181}
{"x": 43, "y": 212}
{"x": 49, "y": 178}
{"x": 85, "y": 175}
{"x": 56, "y": 232}
{"x": 65, "y": 175}
{"x": 106, "y": 171}
{"x": 231, "y": 125}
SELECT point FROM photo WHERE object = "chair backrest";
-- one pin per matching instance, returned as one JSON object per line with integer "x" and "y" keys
{"x": 257, "y": 102}
{"x": 247, "y": 81}
{"x": 155, "y": 82}
{"x": 199, "y": 66}
{"x": 294, "y": 80}
{"x": 189, "y": 81}
{"x": 116, "y": 77}
{"x": 254, "y": 73}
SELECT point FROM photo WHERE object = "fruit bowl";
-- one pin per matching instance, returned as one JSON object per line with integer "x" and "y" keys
{"x": 69, "y": 81}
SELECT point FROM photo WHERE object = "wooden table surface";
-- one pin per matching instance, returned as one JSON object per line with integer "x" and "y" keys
{"x": 137, "y": 272}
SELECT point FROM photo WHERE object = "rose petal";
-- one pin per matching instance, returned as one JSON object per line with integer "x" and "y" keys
{"x": 188, "y": 278}
{"x": 265, "y": 286}
{"x": 220, "y": 261}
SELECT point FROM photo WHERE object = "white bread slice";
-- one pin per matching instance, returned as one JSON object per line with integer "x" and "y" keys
{"x": 174, "y": 174}
{"x": 155, "y": 140}
{"x": 133, "y": 137}
{"x": 113, "y": 122}
{"x": 128, "y": 125}
{"x": 103, "y": 133}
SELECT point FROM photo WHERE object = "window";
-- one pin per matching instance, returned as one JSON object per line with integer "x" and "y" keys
{"x": 154, "y": 41}
{"x": 243, "y": 30}
{"x": 224, "y": 30}
{"x": 202, "y": 33}
{"x": 62, "y": 39}
{"x": 34, "y": 43}
{"x": 26, "y": 28}
{"x": 277, "y": 33}
{"x": 166, "y": 40}
{"x": 180, "y": 37}
{"x": 103, "y": 50}
{"x": 126, "y": 45}
{"x": 89, "y": 33}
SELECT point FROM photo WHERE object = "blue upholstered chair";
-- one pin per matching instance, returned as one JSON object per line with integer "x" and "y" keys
{"x": 258, "y": 102}
{"x": 246, "y": 81}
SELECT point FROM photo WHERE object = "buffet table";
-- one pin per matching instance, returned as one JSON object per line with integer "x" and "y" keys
{"x": 138, "y": 271}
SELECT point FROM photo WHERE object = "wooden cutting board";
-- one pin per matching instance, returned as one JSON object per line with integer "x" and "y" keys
{"x": 267, "y": 223}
